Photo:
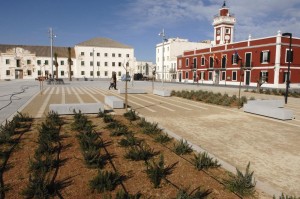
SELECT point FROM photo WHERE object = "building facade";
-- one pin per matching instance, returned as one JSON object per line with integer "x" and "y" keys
{"x": 95, "y": 58}
{"x": 249, "y": 63}
{"x": 166, "y": 55}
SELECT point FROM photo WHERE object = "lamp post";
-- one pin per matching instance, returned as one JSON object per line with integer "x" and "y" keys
{"x": 289, "y": 57}
{"x": 163, "y": 36}
{"x": 51, "y": 35}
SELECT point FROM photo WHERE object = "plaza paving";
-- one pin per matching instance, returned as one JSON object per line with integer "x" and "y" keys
{"x": 234, "y": 137}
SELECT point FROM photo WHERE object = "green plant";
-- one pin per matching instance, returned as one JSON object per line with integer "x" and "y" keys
{"x": 129, "y": 140}
{"x": 108, "y": 118}
{"x": 157, "y": 171}
{"x": 151, "y": 128}
{"x": 54, "y": 119}
{"x": 139, "y": 152}
{"x": 101, "y": 113}
{"x": 286, "y": 197}
{"x": 162, "y": 138}
{"x": 122, "y": 130}
{"x": 203, "y": 161}
{"x": 123, "y": 195}
{"x": 38, "y": 187}
{"x": 105, "y": 181}
{"x": 197, "y": 193}
{"x": 131, "y": 115}
{"x": 182, "y": 147}
{"x": 81, "y": 122}
{"x": 240, "y": 183}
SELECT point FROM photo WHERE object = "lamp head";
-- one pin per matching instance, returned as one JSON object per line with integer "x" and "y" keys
{"x": 287, "y": 34}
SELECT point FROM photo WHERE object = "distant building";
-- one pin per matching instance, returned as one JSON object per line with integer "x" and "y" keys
{"x": 263, "y": 60}
{"x": 145, "y": 68}
{"x": 95, "y": 58}
{"x": 173, "y": 47}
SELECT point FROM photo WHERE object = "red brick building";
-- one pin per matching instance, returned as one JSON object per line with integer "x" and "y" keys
{"x": 229, "y": 63}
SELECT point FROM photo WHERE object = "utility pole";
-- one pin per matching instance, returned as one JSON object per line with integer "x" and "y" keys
{"x": 51, "y": 35}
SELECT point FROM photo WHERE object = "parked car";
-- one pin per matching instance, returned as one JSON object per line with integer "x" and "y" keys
{"x": 124, "y": 78}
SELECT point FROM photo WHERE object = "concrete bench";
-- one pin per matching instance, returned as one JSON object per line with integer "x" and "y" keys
{"x": 164, "y": 93}
{"x": 67, "y": 109}
{"x": 131, "y": 91}
{"x": 269, "y": 108}
{"x": 114, "y": 102}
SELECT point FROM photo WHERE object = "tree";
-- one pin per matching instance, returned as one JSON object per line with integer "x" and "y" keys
{"x": 70, "y": 63}
{"x": 56, "y": 65}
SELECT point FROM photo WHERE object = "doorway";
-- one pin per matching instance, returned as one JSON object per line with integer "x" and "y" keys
{"x": 18, "y": 74}
{"x": 247, "y": 78}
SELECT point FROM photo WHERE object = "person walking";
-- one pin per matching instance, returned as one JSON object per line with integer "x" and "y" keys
{"x": 112, "y": 84}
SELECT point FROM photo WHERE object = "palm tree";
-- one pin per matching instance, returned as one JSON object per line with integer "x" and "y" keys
{"x": 56, "y": 65}
{"x": 69, "y": 62}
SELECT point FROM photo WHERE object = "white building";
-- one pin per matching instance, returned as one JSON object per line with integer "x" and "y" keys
{"x": 173, "y": 47}
{"x": 144, "y": 67}
{"x": 95, "y": 58}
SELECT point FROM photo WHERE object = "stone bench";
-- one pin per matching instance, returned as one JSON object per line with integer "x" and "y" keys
{"x": 67, "y": 109}
{"x": 164, "y": 93}
{"x": 131, "y": 91}
{"x": 114, "y": 102}
{"x": 269, "y": 108}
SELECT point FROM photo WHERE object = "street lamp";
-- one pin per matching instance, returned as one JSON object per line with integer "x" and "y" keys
{"x": 51, "y": 35}
{"x": 289, "y": 57}
{"x": 163, "y": 36}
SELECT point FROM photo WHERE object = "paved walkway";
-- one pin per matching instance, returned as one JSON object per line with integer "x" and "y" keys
{"x": 272, "y": 146}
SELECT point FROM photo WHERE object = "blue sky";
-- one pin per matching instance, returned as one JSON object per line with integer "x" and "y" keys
{"x": 138, "y": 22}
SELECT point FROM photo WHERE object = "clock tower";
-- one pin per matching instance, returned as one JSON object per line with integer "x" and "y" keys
{"x": 223, "y": 26}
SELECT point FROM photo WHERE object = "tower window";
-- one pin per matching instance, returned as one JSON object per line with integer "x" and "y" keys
{"x": 227, "y": 30}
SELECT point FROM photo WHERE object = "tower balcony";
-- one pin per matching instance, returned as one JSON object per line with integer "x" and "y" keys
{"x": 224, "y": 19}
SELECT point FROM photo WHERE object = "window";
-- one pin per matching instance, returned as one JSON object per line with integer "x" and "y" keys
{"x": 82, "y": 53}
{"x": 113, "y": 55}
{"x": 265, "y": 56}
{"x": 113, "y": 64}
{"x": 91, "y": 73}
{"x": 202, "y": 77}
{"x": 98, "y": 73}
{"x": 62, "y": 63}
{"x": 289, "y": 55}
{"x": 210, "y": 75}
{"x": 264, "y": 76}
{"x": 46, "y": 72}
{"x": 127, "y": 55}
{"x": 7, "y": 72}
{"x": 62, "y": 73}
{"x": 82, "y": 72}
{"x": 234, "y": 75}
{"x": 39, "y": 62}
{"x": 285, "y": 73}
{"x": 202, "y": 61}
{"x": 7, "y": 61}
{"x": 98, "y": 63}
{"x": 105, "y": 54}
{"x": 120, "y": 55}
{"x": 224, "y": 59}
{"x": 119, "y": 73}
{"x": 91, "y": 54}
{"x": 39, "y": 72}
{"x": 234, "y": 58}
{"x": 105, "y": 73}
{"x": 98, "y": 54}
{"x": 248, "y": 60}
{"x": 28, "y": 61}
{"x": 46, "y": 62}
{"x": 187, "y": 62}
{"x": 227, "y": 30}
{"x": 179, "y": 63}
{"x": 105, "y": 64}
{"x": 29, "y": 73}
{"x": 186, "y": 75}
{"x": 91, "y": 63}
{"x": 82, "y": 63}
{"x": 18, "y": 63}
{"x": 195, "y": 62}
{"x": 211, "y": 62}
{"x": 120, "y": 64}
{"x": 72, "y": 73}
{"x": 223, "y": 77}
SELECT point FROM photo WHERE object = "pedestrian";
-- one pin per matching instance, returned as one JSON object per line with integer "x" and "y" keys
{"x": 112, "y": 84}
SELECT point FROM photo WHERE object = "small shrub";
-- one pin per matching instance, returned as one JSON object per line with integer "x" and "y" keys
{"x": 203, "y": 161}
{"x": 38, "y": 187}
{"x": 286, "y": 197}
{"x": 151, "y": 129}
{"x": 114, "y": 124}
{"x": 157, "y": 171}
{"x": 101, "y": 113}
{"x": 123, "y": 130}
{"x": 131, "y": 115}
{"x": 195, "y": 194}
{"x": 182, "y": 147}
{"x": 54, "y": 119}
{"x": 108, "y": 118}
{"x": 242, "y": 184}
{"x": 129, "y": 140}
{"x": 105, "y": 181}
{"x": 139, "y": 152}
{"x": 162, "y": 138}
{"x": 122, "y": 195}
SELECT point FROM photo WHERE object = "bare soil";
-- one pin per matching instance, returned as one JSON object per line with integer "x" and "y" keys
{"x": 77, "y": 175}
